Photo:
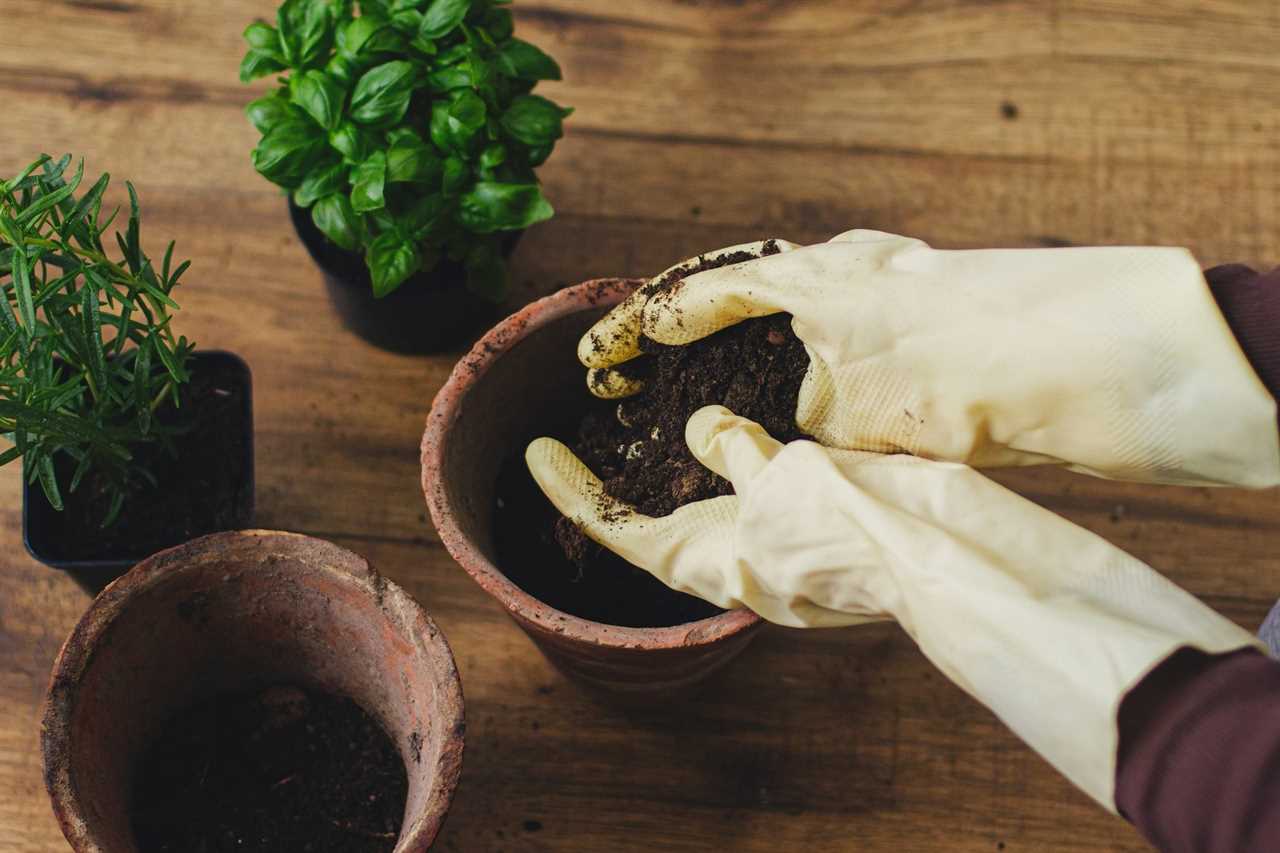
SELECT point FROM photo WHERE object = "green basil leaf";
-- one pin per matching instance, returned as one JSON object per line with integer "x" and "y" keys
{"x": 538, "y": 154}
{"x": 423, "y": 46}
{"x": 409, "y": 159}
{"x": 337, "y": 221}
{"x": 368, "y": 181}
{"x": 368, "y": 36}
{"x": 454, "y": 55}
{"x": 262, "y": 36}
{"x": 489, "y": 206}
{"x": 269, "y": 110}
{"x": 455, "y": 124}
{"x": 407, "y": 21}
{"x": 423, "y": 216}
{"x": 441, "y": 136}
{"x": 483, "y": 74}
{"x": 391, "y": 259}
{"x": 493, "y": 156}
{"x": 321, "y": 182}
{"x": 354, "y": 143}
{"x": 450, "y": 78}
{"x": 320, "y": 97}
{"x": 383, "y": 93}
{"x": 486, "y": 272}
{"x": 499, "y": 23}
{"x": 525, "y": 61}
{"x": 455, "y": 174}
{"x": 443, "y": 17}
{"x": 341, "y": 70}
{"x": 382, "y": 220}
{"x": 534, "y": 120}
{"x": 306, "y": 31}
{"x": 258, "y": 64}
{"x": 468, "y": 111}
{"x": 287, "y": 150}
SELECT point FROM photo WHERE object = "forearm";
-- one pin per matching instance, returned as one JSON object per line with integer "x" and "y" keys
{"x": 1250, "y": 301}
{"x": 1199, "y": 759}
{"x": 1198, "y": 767}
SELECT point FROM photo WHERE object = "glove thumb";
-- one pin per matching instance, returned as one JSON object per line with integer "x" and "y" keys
{"x": 735, "y": 448}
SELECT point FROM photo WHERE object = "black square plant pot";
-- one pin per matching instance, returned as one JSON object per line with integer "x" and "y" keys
{"x": 431, "y": 312}
{"x": 44, "y": 529}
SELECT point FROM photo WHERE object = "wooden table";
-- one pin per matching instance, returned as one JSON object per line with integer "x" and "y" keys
{"x": 698, "y": 124}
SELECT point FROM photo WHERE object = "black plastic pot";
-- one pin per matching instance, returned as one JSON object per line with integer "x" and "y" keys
{"x": 431, "y": 312}
{"x": 42, "y": 525}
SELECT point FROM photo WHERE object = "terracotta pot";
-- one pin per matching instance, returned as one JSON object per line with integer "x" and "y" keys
{"x": 493, "y": 404}
{"x": 239, "y": 611}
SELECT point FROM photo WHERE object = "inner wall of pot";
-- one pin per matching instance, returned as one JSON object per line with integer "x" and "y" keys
{"x": 528, "y": 388}
{"x": 234, "y": 625}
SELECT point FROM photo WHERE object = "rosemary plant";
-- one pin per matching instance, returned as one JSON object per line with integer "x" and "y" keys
{"x": 87, "y": 355}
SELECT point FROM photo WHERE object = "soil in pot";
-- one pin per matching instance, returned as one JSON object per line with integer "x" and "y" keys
{"x": 282, "y": 769}
{"x": 201, "y": 488}
{"x": 637, "y": 447}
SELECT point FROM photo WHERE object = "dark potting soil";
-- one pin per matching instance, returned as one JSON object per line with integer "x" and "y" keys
{"x": 282, "y": 769}
{"x": 637, "y": 447}
{"x": 201, "y": 485}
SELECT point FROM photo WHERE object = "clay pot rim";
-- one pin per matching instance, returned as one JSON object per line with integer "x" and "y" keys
{"x": 445, "y": 410}
{"x": 78, "y": 649}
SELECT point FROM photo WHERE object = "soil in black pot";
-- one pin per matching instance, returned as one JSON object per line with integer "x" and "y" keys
{"x": 637, "y": 447}
{"x": 202, "y": 488}
{"x": 281, "y": 769}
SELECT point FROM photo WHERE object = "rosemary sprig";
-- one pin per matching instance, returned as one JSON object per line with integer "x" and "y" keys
{"x": 87, "y": 352}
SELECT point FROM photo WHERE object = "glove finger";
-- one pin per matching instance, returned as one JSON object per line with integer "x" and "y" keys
{"x": 612, "y": 384}
{"x": 615, "y": 338}
{"x": 706, "y": 302}
{"x": 868, "y": 235}
{"x": 686, "y": 550}
{"x": 576, "y": 491}
{"x": 735, "y": 448}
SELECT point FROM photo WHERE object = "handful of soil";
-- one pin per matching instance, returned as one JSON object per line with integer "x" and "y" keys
{"x": 275, "y": 770}
{"x": 637, "y": 447}
{"x": 754, "y": 368}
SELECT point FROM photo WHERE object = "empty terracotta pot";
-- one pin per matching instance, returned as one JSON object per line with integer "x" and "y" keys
{"x": 497, "y": 400}
{"x": 239, "y": 611}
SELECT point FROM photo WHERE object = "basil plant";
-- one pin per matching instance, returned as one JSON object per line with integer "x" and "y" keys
{"x": 407, "y": 128}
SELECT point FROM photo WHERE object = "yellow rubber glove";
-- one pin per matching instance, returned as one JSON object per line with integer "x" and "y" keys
{"x": 1042, "y": 621}
{"x": 1113, "y": 361}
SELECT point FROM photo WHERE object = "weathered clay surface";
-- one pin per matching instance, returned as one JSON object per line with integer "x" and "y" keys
{"x": 237, "y": 611}
{"x": 494, "y": 403}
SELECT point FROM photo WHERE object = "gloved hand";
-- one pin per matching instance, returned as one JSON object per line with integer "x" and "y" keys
{"x": 1042, "y": 621}
{"x": 1113, "y": 361}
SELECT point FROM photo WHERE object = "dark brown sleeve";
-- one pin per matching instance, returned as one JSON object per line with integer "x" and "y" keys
{"x": 1198, "y": 768}
{"x": 1199, "y": 759}
{"x": 1251, "y": 303}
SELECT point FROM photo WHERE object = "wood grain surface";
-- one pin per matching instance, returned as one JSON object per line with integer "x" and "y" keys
{"x": 698, "y": 124}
